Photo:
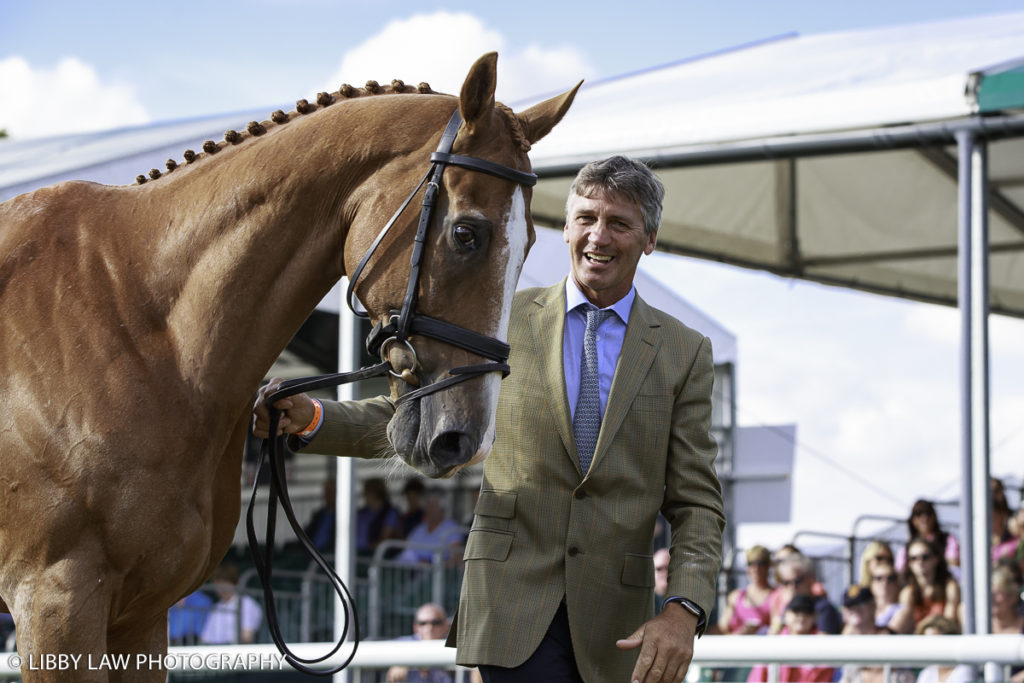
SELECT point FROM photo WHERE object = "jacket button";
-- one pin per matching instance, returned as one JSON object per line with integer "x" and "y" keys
{"x": 574, "y": 551}
{"x": 580, "y": 494}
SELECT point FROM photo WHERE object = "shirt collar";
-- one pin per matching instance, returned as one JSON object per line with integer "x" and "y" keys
{"x": 575, "y": 298}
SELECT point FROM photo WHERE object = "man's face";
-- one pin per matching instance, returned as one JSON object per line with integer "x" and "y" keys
{"x": 860, "y": 616}
{"x": 606, "y": 239}
{"x": 430, "y": 624}
{"x": 793, "y": 582}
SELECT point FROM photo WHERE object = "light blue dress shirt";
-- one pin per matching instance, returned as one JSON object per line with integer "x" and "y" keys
{"x": 609, "y": 342}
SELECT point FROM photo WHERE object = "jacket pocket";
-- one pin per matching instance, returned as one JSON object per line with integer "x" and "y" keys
{"x": 638, "y": 570}
{"x": 495, "y": 510}
{"x": 496, "y": 504}
{"x": 488, "y": 544}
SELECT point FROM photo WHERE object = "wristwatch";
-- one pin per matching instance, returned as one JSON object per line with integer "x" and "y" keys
{"x": 694, "y": 609}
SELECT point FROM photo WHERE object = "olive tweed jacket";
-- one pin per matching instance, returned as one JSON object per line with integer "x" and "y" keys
{"x": 543, "y": 531}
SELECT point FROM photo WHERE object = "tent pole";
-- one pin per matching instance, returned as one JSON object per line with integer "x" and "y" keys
{"x": 973, "y": 297}
{"x": 345, "y": 503}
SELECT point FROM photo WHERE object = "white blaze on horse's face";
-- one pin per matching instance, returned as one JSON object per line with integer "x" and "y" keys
{"x": 518, "y": 229}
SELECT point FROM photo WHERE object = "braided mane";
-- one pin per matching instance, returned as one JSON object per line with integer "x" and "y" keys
{"x": 302, "y": 107}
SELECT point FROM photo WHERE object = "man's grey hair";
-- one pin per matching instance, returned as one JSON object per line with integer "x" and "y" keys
{"x": 799, "y": 563}
{"x": 622, "y": 175}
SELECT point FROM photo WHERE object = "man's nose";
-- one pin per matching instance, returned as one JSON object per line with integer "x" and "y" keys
{"x": 599, "y": 232}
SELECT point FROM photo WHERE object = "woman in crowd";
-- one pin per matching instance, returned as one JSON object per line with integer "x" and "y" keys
{"x": 747, "y": 609}
{"x": 875, "y": 553}
{"x": 885, "y": 587}
{"x": 924, "y": 523}
{"x": 1004, "y": 543}
{"x": 928, "y": 588}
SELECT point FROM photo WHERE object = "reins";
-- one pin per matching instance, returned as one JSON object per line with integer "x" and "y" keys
{"x": 401, "y": 325}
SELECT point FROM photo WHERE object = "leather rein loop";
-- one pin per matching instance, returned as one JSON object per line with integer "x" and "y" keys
{"x": 401, "y": 325}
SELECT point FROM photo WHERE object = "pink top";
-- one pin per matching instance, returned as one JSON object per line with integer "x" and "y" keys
{"x": 744, "y": 612}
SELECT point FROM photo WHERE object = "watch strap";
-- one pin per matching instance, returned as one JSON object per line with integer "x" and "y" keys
{"x": 694, "y": 609}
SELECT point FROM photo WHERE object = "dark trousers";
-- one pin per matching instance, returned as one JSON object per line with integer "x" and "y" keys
{"x": 552, "y": 662}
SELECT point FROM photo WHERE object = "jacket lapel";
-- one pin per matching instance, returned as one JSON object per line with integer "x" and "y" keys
{"x": 547, "y": 325}
{"x": 639, "y": 348}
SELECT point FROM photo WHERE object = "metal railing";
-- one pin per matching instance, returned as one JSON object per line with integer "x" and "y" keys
{"x": 711, "y": 651}
{"x": 394, "y": 588}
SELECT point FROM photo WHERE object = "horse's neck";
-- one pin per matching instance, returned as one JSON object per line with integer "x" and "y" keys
{"x": 256, "y": 240}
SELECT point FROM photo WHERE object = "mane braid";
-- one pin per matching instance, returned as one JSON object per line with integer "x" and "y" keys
{"x": 303, "y": 107}
{"x": 518, "y": 134}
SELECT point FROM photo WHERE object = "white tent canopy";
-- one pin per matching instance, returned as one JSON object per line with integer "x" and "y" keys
{"x": 827, "y": 157}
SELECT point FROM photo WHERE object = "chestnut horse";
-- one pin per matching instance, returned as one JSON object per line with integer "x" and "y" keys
{"x": 139, "y": 321}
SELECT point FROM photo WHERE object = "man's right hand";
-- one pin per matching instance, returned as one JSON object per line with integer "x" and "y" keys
{"x": 296, "y": 411}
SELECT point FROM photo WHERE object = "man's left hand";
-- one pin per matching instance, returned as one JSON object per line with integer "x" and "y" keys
{"x": 666, "y": 646}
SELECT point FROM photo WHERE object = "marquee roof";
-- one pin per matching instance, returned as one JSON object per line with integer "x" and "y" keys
{"x": 828, "y": 157}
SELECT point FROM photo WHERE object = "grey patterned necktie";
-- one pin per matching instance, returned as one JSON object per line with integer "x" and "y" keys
{"x": 586, "y": 423}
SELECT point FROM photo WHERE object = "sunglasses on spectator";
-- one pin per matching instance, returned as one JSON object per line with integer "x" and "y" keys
{"x": 430, "y": 622}
{"x": 759, "y": 563}
{"x": 923, "y": 557}
{"x": 792, "y": 582}
{"x": 888, "y": 578}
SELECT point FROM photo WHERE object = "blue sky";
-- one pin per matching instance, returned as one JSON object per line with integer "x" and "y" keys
{"x": 871, "y": 382}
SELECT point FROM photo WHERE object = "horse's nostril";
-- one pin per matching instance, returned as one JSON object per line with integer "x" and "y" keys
{"x": 449, "y": 449}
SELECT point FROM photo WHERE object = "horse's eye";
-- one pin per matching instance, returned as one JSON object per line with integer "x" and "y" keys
{"x": 464, "y": 236}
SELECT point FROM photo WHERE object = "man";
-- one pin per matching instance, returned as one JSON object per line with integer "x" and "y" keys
{"x": 430, "y": 623}
{"x": 859, "y": 612}
{"x": 559, "y": 578}
{"x": 234, "y": 618}
{"x": 796, "y": 577}
{"x": 436, "y": 531}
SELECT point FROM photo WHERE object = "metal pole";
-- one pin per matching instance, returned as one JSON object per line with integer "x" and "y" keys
{"x": 965, "y": 149}
{"x": 345, "y": 504}
{"x": 980, "y": 400}
{"x": 973, "y": 301}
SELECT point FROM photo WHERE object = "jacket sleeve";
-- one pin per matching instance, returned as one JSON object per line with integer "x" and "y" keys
{"x": 693, "y": 494}
{"x": 355, "y": 429}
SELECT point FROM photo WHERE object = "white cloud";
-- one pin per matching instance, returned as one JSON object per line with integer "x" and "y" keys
{"x": 439, "y": 48}
{"x": 69, "y": 97}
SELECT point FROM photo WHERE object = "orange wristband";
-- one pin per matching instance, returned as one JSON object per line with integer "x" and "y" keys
{"x": 318, "y": 412}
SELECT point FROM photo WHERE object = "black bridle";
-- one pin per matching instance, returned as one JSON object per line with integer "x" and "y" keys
{"x": 401, "y": 325}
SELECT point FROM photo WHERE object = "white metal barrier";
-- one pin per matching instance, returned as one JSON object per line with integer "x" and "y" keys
{"x": 709, "y": 651}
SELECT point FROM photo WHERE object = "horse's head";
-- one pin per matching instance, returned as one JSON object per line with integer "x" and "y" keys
{"x": 476, "y": 243}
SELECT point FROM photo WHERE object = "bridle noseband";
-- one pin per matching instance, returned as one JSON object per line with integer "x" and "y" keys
{"x": 401, "y": 325}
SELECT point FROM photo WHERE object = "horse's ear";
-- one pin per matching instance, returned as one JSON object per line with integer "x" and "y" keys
{"x": 477, "y": 96}
{"x": 538, "y": 120}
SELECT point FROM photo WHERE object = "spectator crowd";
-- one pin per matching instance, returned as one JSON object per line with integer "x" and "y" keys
{"x": 902, "y": 588}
